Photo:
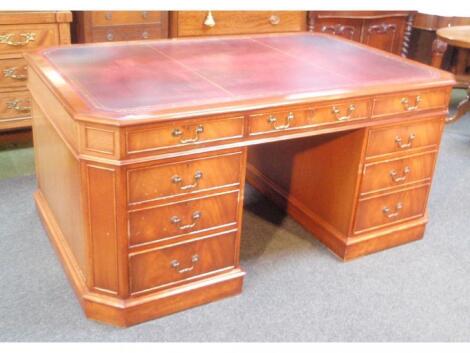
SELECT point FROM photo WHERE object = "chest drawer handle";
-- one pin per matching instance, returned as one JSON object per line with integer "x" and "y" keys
{"x": 402, "y": 145}
{"x": 108, "y": 16}
{"x": 176, "y": 264}
{"x": 274, "y": 20}
{"x": 10, "y": 72}
{"x": 406, "y": 103}
{"x": 8, "y": 39}
{"x": 398, "y": 179}
{"x": 176, "y": 221}
{"x": 16, "y": 105}
{"x": 337, "y": 112}
{"x": 176, "y": 179}
{"x": 178, "y": 133}
{"x": 109, "y": 36}
{"x": 209, "y": 21}
{"x": 273, "y": 120}
{"x": 388, "y": 212}
{"x": 145, "y": 34}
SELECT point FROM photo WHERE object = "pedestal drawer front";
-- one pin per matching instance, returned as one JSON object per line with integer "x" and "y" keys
{"x": 126, "y": 33}
{"x": 404, "y": 137}
{"x": 396, "y": 172}
{"x": 409, "y": 102}
{"x": 181, "y": 218}
{"x": 314, "y": 116}
{"x": 181, "y": 134}
{"x": 183, "y": 178}
{"x": 201, "y": 23}
{"x": 107, "y": 18}
{"x": 15, "y": 105}
{"x": 13, "y": 73}
{"x": 171, "y": 264}
{"x": 19, "y": 38}
{"x": 383, "y": 210}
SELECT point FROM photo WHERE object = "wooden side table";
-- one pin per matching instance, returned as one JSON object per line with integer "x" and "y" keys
{"x": 458, "y": 37}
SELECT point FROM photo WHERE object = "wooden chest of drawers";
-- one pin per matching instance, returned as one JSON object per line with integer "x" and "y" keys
{"x": 386, "y": 30}
{"x": 21, "y": 32}
{"x": 112, "y": 26}
{"x": 208, "y": 23}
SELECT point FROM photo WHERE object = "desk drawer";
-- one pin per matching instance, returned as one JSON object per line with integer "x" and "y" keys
{"x": 13, "y": 73}
{"x": 181, "y": 218}
{"x": 315, "y": 116}
{"x": 108, "y": 18}
{"x": 409, "y": 102}
{"x": 15, "y": 105}
{"x": 392, "y": 208}
{"x": 126, "y": 33}
{"x": 181, "y": 134}
{"x": 405, "y": 137}
{"x": 183, "y": 178}
{"x": 19, "y": 38}
{"x": 393, "y": 173}
{"x": 171, "y": 264}
{"x": 194, "y": 23}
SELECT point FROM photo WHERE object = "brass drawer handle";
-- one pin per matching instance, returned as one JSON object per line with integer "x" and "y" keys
{"x": 8, "y": 39}
{"x": 145, "y": 14}
{"x": 402, "y": 145}
{"x": 16, "y": 105}
{"x": 176, "y": 179}
{"x": 273, "y": 120}
{"x": 388, "y": 212}
{"x": 145, "y": 34}
{"x": 10, "y": 72}
{"x": 337, "y": 112}
{"x": 398, "y": 179}
{"x": 196, "y": 217}
{"x": 109, "y": 36}
{"x": 108, "y": 16}
{"x": 176, "y": 264}
{"x": 274, "y": 19}
{"x": 209, "y": 21}
{"x": 406, "y": 103}
{"x": 199, "y": 130}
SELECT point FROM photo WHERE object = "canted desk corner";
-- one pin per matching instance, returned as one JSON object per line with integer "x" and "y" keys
{"x": 142, "y": 151}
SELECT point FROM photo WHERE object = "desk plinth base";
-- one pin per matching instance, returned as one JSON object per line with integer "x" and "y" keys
{"x": 345, "y": 248}
{"x": 126, "y": 312}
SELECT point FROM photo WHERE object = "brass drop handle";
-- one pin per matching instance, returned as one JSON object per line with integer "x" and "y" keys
{"x": 145, "y": 14}
{"x": 273, "y": 120}
{"x": 176, "y": 264}
{"x": 177, "y": 220}
{"x": 398, "y": 179}
{"x": 145, "y": 35}
{"x": 209, "y": 21}
{"x": 176, "y": 179}
{"x": 110, "y": 36}
{"x": 199, "y": 130}
{"x": 409, "y": 144}
{"x": 274, "y": 19}
{"x": 406, "y": 103}
{"x": 337, "y": 112}
{"x": 16, "y": 105}
{"x": 108, "y": 16}
{"x": 8, "y": 39}
{"x": 388, "y": 212}
{"x": 10, "y": 72}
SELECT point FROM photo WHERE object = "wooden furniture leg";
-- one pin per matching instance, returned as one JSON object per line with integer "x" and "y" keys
{"x": 439, "y": 47}
{"x": 462, "y": 108}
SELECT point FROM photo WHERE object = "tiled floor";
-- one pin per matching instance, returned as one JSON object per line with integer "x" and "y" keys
{"x": 18, "y": 159}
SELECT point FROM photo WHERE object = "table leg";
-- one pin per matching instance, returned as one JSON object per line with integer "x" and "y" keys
{"x": 439, "y": 47}
{"x": 462, "y": 108}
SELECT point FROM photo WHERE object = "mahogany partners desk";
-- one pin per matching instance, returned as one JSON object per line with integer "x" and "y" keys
{"x": 142, "y": 150}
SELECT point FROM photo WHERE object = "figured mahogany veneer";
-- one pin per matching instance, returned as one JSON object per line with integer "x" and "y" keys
{"x": 142, "y": 149}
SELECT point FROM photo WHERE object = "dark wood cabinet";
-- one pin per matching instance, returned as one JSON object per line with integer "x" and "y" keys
{"x": 386, "y": 30}
{"x": 111, "y": 26}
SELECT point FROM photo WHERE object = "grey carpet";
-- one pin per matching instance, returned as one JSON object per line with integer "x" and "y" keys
{"x": 295, "y": 289}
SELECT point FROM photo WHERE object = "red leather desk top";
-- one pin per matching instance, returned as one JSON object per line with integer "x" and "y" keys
{"x": 125, "y": 81}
